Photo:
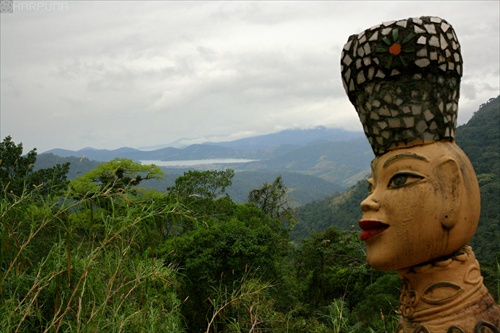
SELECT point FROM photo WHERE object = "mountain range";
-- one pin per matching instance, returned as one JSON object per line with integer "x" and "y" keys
{"x": 334, "y": 155}
{"x": 260, "y": 146}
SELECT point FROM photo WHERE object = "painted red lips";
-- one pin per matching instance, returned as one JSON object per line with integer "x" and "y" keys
{"x": 371, "y": 228}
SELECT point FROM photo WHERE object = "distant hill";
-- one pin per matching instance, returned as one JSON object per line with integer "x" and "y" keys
{"x": 343, "y": 163}
{"x": 480, "y": 140}
{"x": 341, "y": 210}
{"x": 193, "y": 152}
{"x": 78, "y": 165}
{"x": 292, "y": 137}
{"x": 302, "y": 188}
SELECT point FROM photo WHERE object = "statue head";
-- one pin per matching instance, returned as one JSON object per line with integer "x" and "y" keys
{"x": 403, "y": 78}
{"x": 423, "y": 205}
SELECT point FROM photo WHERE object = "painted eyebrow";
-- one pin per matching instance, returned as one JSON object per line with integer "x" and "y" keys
{"x": 401, "y": 156}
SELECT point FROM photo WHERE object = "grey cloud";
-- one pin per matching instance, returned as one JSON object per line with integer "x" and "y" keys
{"x": 138, "y": 74}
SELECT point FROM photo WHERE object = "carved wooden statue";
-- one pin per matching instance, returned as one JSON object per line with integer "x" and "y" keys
{"x": 403, "y": 78}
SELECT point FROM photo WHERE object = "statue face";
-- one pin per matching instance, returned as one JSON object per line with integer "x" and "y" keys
{"x": 413, "y": 206}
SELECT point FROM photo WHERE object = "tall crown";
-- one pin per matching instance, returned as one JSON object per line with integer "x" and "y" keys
{"x": 403, "y": 78}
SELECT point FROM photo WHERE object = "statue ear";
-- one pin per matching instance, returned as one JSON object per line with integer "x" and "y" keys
{"x": 451, "y": 186}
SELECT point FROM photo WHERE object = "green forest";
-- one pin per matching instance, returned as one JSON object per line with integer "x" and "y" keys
{"x": 103, "y": 252}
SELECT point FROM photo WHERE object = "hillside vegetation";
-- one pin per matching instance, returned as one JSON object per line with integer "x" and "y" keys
{"x": 480, "y": 140}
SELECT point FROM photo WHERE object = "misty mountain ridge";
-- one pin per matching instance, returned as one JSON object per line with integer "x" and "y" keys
{"x": 257, "y": 147}
{"x": 295, "y": 137}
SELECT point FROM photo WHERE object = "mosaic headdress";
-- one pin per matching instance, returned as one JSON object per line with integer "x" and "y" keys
{"x": 403, "y": 78}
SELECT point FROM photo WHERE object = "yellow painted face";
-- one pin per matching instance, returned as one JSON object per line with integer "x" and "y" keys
{"x": 414, "y": 212}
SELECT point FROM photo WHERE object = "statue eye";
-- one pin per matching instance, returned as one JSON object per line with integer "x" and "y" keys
{"x": 404, "y": 179}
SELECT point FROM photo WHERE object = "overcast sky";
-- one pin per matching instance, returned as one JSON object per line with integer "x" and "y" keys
{"x": 109, "y": 74}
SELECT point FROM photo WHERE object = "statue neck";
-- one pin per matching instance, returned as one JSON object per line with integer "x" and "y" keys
{"x": 447, "y": 296}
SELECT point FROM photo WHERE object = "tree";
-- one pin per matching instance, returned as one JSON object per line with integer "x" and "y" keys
{"x": 110, "y": 186}
{"x": 246, "y": 244}
{"x": 271, "y": 198}
{"x": 328, "y": 263}
{"x": 331, "y": 267}
{"x": 116, "y": 176}
{"x": 17, "y": 175}
{"x": 208, "y": 184}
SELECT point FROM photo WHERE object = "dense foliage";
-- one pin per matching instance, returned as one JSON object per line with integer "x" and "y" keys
{"x": 101, "y": 253}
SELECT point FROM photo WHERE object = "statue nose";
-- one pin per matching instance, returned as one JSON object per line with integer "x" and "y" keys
{"x": 370, "y": 203}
